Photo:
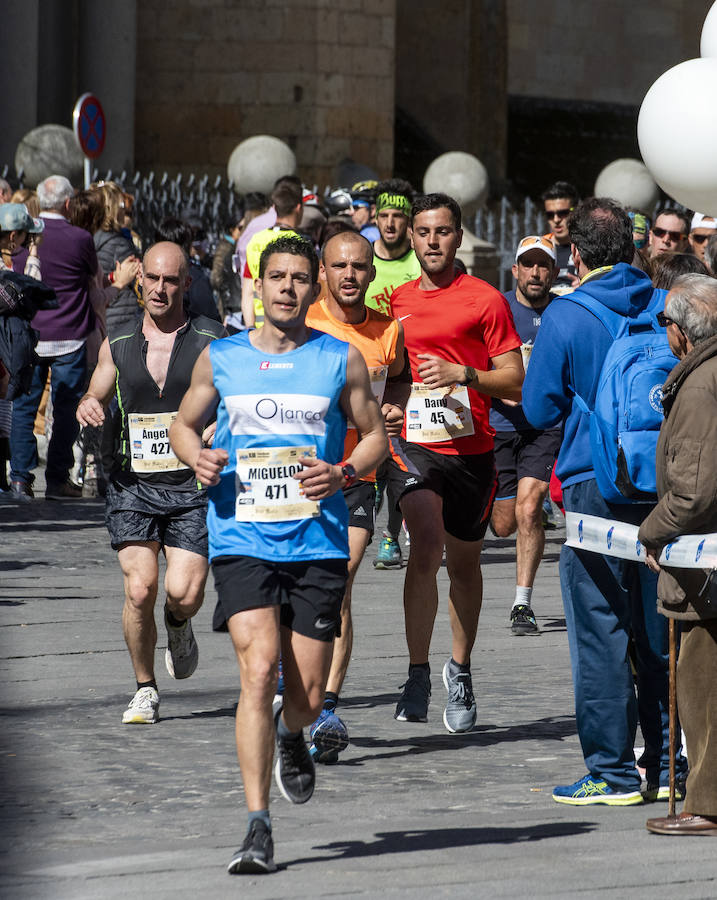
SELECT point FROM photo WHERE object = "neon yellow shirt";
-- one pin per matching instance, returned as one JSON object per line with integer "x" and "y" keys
{"x": 254, "y": 249}
{"x": 390, "y": 274}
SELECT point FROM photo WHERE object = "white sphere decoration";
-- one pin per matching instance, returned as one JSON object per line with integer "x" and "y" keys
{"x": 257, "y": 162}
{"x": 677, "y": 134}
{"x": 461, "y": 176}
{"x": 708, "y": 42}
{"x": 629, "y": 182}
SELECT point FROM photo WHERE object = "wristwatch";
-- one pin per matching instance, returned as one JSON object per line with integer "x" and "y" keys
{"x": 469, "y": 374}
{"x": 349, "y": 474}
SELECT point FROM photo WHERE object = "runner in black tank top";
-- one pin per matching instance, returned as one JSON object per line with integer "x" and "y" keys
{"x": 153, "y": 501}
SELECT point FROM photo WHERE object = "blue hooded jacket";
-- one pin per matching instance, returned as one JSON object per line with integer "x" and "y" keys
{"x": 568, "y": 357}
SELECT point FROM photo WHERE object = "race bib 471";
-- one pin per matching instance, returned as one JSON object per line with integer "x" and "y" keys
{"x": 265, "y": 486}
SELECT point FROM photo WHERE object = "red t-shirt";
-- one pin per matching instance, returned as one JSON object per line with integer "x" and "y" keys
{"x": 468, "y": 323}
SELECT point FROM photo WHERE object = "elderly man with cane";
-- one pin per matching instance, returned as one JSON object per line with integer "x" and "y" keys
{"x": 687, "y": 491}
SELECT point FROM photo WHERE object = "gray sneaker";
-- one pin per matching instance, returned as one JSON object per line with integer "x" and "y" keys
{"x": 182, "y": 653}
{"x": 460, "y": 712}
{"x": 413, "y": 703}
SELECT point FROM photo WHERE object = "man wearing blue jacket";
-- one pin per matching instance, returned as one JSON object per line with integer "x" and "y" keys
{"x": 606, "y": 599}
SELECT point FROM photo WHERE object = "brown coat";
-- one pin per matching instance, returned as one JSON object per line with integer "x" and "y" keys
{"x": 687, "y": 480}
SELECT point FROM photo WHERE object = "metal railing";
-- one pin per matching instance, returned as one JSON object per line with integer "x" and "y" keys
{"x": 213, "y": 202}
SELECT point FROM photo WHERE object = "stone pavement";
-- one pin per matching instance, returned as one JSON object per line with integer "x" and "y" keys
{"x": 94, "y": 809}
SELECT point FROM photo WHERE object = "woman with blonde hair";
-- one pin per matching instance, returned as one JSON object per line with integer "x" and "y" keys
{"x": 29, "y": 198}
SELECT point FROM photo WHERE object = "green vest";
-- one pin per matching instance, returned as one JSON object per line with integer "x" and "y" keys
{"x": 390, "y": 274}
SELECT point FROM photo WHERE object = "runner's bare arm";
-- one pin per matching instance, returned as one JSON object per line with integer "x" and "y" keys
{"x": 504, "y": 380}
{"x": 196, "y": 408}
{"x": 91, "y": 408}
{"x": 320, "y": 479}
{"x": 398, "y": 388}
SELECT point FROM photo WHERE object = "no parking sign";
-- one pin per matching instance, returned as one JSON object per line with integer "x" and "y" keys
{"x": 88, "y": 122}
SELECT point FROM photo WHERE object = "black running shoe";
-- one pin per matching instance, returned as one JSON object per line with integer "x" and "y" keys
{"x": 294, "y": 769}
{"x": 522, "y": 620}
{"x": 256, "y": 854}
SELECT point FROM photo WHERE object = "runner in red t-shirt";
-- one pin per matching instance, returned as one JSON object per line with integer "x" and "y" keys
{"x": 463, "y": 350}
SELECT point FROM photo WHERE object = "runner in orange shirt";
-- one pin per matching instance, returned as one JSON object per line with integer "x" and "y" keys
{"x": 348, "y": 270}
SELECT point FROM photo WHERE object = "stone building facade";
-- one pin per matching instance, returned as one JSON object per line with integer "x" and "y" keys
{"x": 319, "y": 74}
{"x": 388, "y": 83}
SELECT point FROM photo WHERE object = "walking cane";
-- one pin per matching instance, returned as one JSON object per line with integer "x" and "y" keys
{"x": 672, "y": 712}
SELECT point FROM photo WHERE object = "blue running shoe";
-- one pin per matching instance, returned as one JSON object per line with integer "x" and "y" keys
{"x": 329, "y": 736}
{"x": 389, "y": 554}
{"x": 591, "y": 790}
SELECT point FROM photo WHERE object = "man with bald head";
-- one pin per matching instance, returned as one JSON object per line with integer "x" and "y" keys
{"x": 348, "y": 270}
{"x": 153, "y": 500}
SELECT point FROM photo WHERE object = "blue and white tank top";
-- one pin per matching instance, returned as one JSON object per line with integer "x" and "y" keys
{"x": 274, "y": 409}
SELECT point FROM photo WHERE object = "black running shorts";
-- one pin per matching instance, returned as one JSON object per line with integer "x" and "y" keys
{"x": 309, "y": 594}
{"x": 466, "y": 484}
{"x": 144, "y": 512}
{"x": 361, "y": 501}
{"x": 524, "y": 454}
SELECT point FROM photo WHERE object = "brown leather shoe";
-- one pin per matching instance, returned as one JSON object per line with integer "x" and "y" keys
{"x": 685, "y": 823}
{"x": 65, "y": 490}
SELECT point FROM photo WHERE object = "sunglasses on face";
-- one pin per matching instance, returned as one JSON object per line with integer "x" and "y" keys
{"x": 700, "y": 238}
{"x": 559, "y": 213}
{"x": 663, "y": 321}
{"x": 675, "y": 236}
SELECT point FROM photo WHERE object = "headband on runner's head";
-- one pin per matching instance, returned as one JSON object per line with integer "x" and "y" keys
{"x": 394, "y": 201}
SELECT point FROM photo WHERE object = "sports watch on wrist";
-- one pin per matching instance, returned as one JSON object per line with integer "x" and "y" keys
{"x": 349, "y": 474}
{"x": 469, "y": 374}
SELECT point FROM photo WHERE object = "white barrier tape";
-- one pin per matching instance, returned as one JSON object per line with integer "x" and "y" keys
{"x": 690, "y": 551}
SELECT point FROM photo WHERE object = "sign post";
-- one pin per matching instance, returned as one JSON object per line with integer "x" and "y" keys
{"x": 88, "y": 123}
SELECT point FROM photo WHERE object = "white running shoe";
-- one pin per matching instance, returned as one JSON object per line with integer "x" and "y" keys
{"x": 182, "y": 653}
{"x": 143, "y": 708}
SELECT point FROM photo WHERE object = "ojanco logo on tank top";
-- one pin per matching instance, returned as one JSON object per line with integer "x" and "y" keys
{"x": 278, "y": 414}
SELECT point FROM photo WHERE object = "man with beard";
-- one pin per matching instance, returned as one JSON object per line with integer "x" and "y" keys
{"x": 464, "y": 349}
{"x": 348, "y": 270}
{"x": 525, "y": 455}
{"x": 393, "y": 257}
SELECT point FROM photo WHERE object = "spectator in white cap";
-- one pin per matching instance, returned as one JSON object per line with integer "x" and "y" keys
{"x": 524, "y": 456}
{"x": 701, "y": 230}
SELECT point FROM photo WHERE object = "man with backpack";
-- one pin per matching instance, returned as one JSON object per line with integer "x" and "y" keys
{"x": 608, "y": 600}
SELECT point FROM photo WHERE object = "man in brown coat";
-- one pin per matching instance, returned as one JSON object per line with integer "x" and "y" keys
{"x": 687, "y": 491}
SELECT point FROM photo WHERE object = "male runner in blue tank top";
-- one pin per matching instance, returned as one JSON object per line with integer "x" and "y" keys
{"x": 153, "y": 501}
{"x": 278, "y": 523}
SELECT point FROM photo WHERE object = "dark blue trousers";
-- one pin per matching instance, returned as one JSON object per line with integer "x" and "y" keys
{"x": 606, "y": 601}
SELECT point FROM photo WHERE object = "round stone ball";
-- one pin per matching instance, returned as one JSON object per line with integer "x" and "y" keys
{"x": 257, "y": 162}
{"x": 49, "y": 150}
{"x": 629, "y": 182}
{"x": 461, "y": 176}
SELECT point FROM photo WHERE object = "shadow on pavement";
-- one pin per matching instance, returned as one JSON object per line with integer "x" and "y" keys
{"x": 444, "y": 839}
{"x": 550, "y": 729}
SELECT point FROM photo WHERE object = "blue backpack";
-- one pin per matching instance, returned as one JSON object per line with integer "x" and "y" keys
{"x": 626, "y": 420}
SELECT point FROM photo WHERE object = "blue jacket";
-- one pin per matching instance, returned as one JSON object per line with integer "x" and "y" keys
{"x": 568, "y": 357}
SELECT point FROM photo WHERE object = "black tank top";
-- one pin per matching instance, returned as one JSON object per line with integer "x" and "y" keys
{"x": 142, "y": 450}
